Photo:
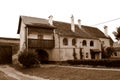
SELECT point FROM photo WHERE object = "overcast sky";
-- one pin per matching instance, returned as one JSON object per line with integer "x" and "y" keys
{"x": 90, "y": 12}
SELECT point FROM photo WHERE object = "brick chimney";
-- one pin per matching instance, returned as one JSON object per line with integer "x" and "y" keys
{"x": 72, "y": 24}
{"x": 50, "y": 20}
{"x": 79, "y": 23}
{"x": 106, "y": 31}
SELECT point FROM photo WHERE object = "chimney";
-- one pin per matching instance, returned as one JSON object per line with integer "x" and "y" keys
{"x": 79, "y": 23}
{"x": 72, "y": 24}
{"x": 50, "y": 20}
{"x": 106, "y": 30}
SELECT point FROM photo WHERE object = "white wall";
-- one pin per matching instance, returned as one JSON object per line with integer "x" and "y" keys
{"x": 48, "y": 36}
{"x": 45, "y": 36}
{"x": 32, "y": 36}
{"x": 22, "y": 36}
{"x": 63, "y": 53}
{"x": 106, "y": 42}
{"x": 66, "y": 51}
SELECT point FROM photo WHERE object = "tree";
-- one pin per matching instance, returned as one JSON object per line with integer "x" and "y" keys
{"x": 107, "y": 52}
{"x": 117, "y": 34}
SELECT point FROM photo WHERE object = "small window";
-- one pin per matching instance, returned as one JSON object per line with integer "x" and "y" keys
{"x": 115, "y": 54}
{"x": 65, "y": 41}
{"x": 40, "y": 36}
{"x": 84, "y": 43}
{"x": 86, "y": 55}
{"x": 91, "y": 43}
{"x": 73, "y": 41}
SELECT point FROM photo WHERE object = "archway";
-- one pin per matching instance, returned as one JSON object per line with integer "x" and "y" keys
{"x": 42, "y": 56}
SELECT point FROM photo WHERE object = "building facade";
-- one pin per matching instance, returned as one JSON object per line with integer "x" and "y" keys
{"x": 61, "y": 41}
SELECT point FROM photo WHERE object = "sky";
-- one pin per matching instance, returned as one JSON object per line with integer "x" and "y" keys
{"x": 90, "y": 12}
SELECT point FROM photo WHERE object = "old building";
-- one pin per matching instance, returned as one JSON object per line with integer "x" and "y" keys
{"x": 8, "y": 47}
{"x": 60, "y": 41}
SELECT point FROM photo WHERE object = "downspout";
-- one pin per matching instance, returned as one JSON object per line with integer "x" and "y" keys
{"x": 59, "y": 46}
{"x": 27, "y": 39}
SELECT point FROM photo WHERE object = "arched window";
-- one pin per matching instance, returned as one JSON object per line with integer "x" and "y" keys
{"x": 84, "y": 43}
{"x": 65, "y": 41}
{"x": 91, "y": 43}
{"x": 73, "y": 41}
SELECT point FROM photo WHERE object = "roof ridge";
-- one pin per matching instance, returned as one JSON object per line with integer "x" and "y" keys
{"x": 32, "y": 17}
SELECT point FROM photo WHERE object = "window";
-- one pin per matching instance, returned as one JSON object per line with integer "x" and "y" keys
{"x": 40, "y": 36}
{"x": 84, "y": 43}
{"x": 73, "y": 41}
{"x": 115, "y": 54}
{"x": 65, "y": 41}
{"x": 91, "y": 43}
{"x": 86, "y": 55}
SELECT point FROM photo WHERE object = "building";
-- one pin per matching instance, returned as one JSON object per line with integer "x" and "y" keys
{"x": 8, "y": 47}
{"x": 61, "y": 41}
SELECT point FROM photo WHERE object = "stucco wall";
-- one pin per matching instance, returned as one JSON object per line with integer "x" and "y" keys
{"x": 22, "y": 35}
{"x": 45, "y": 36}
{"x": 106, "y": 42}
{"x": 66, "y": 51}
{"x": 61, "y": 54}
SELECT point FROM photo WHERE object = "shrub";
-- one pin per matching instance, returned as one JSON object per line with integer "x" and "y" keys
{"x": 103, "y": 62}
{"x": 107, "y": 52}
{"x": 28, "y": 59}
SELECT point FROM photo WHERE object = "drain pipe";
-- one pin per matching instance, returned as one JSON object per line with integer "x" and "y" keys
{"x": 59, "y": 48}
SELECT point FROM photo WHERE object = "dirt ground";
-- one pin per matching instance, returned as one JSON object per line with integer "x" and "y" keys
{"x": 69, "y": 73}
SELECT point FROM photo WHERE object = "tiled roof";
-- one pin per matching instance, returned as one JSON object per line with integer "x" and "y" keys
{"x": 33, "y": 22}
{"x": 63, "y": 28}
{"x": 94, "y": 31}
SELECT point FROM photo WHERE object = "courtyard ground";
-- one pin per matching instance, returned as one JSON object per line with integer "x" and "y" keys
{"x": 9, "y": 73}
{"x": 57, "y": 72}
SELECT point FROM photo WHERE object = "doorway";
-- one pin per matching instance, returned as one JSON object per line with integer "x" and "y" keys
{"x": 42, "y": 56}
{"x": 94, "y": 53}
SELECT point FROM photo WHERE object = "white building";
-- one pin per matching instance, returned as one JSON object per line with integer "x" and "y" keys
{"x": 61, "y": 41}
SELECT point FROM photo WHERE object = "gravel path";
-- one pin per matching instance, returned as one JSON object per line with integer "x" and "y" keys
{"x": 18, "y": 75}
